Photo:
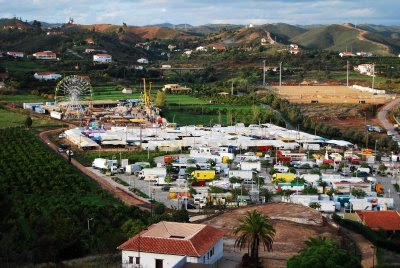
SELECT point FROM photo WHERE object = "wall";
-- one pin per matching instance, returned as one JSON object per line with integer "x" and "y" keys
{"x": 147, "y": 260}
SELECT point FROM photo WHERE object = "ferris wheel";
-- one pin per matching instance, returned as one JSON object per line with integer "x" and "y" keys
{"x": 70, "y": 91}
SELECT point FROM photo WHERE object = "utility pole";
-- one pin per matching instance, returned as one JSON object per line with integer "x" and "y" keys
{"x": 347, "y": 73}
{"x": 280, "y": 74}
{"x": 263, "y": 73}
{"x": 232, "y": 88}
{"x": 373, "y": 75}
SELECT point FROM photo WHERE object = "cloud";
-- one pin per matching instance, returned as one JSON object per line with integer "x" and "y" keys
{"x": 144, "y": 12}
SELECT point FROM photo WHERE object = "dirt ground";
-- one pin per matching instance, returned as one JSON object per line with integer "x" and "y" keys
{"x": 328, "y": 94}
{"x": 290, "y": 234}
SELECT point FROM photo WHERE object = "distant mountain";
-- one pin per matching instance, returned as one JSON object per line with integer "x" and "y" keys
{"x": 387, "y": 31}
{"x": 339, "y": 37}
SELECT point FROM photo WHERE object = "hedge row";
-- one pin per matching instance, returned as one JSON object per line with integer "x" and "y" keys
{"x": 374, "y": 237}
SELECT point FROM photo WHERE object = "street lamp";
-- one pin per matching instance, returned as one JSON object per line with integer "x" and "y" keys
{"x": 88, "y": 223}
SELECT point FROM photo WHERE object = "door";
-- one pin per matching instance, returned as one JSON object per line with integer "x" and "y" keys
{"x": 159, "y": 263}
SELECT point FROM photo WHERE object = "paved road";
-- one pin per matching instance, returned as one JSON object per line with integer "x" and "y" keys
{"x": 382, "y": 114}
{"x": 288, "y": 124}
{"x": 390, "y": 191}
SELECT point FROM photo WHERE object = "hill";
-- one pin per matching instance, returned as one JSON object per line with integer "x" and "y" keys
{"x": 15, "y": 23}
{"x": 386, "y": 31}
{"x": 339, "y": 37}
{"x": 145, "y": 32}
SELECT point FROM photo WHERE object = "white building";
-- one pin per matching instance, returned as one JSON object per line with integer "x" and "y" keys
{"x": 127, "y": 90}
{"x": 173, "y": 244}
{"x": 346, "y": 54}
{"x": 45, "y": 55}
{"x": 367, "y": 69}
{"x": 47, "y": 76}
{"x": 16, "y": 54}
{"x": 201, "y": 48}
{"x": 143, "y": 61}
{"x": 102, "y": 58}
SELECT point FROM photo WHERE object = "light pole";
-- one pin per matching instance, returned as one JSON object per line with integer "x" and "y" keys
{"x": 263, "y": 73}
{"x": 88, "y": 223}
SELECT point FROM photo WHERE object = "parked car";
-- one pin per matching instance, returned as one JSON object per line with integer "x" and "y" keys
{"x": 166, "y": 188}
{"x": 60, "y": 150}
{"x": 61, "y": 136}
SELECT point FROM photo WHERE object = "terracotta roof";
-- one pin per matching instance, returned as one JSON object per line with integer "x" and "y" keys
{"x": 103, "y": 55}
{"x": 45, "y": 73}
{"x": 386, "y": 220}
{"x": 46, "y": 53}
{"x": 172, "y": 238}
{"x": 12, "y": 52}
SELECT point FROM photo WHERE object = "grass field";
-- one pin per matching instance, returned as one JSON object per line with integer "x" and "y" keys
{"x": 13, "y": 119}
{"x": 21, "y": 66}
{"x": 22, "y": 98}
{"x": 194, "y": 119}
{"x": 114, "y": 93}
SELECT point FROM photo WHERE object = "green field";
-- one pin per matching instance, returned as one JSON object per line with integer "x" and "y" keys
{"x": 13, "y": 119}
{"x": 194, "y": 119}
{"x": 21, "y": 98}
{"x": 114, "y": 93}
{"x": 21, "y": 66}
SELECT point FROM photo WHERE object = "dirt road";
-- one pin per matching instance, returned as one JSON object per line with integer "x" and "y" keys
{"x": 120, "y": 193}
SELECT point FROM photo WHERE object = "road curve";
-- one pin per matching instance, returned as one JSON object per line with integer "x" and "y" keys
{"x": 127, "y": 197}
{"x": 382, "y": 114}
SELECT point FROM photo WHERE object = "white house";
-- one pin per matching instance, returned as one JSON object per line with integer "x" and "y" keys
{"x": 127, "y": 90}
{"x": 102, "y": 58}
{"x": 90, "y": 50}
{"x": 173, "y": 244}
{"x": 143, "y": 61}
{"x": 201, "y": 48}
{"x": 346, "y": 54}
{"x": 188, "y": 52}
{"x": 45, "y": 55}
{"x": 47, "y": 76}
{"x": 367, "y": 69}
{"x": 16, "y": 54}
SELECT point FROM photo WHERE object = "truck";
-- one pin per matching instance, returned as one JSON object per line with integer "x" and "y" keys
{"x": 204, "y": 175}
{"x": 152, "y": 173}
{"x": 170, "y": 158}
{"x": 132, "y": 169}
{"x": 287, "y": 177}
{"x": 105, "y": 164}
{"x": 379, "y": 189}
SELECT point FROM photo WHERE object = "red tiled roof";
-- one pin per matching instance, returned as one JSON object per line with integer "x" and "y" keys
{"x": 12, "y": 52}
{"x": 46, "y": 53}
{"x": 386, "y": 220}
{"x": 196, "y": 245}
{"x": 45, "y": 73}
{"x": 103, "y": 55}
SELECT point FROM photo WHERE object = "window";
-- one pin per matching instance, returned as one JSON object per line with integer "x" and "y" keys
{"x": 137, "y": 260}
{"x": 211, "y": 252}
{"x": 130, "y": 259}
{"x": 159, "y": 263}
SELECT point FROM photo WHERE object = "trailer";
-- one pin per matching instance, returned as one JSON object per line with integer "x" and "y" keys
{"x": 132, "y": 169}
{"x": 56, "y": 115}
{"x": 251, "y": 166}
{"x": 152, "y": 173}
{"x": 105, "y": 164}
{"x": 205, "y": 175}
{"x": 242, "y": 174}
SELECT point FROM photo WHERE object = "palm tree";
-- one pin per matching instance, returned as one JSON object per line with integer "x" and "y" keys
{"x": 254, "y": 229}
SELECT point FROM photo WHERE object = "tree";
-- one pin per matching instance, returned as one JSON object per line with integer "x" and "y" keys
{"x": 267, "y": 194}
{"x": 159, "y": 208}
{"x": 382, "y": 168}
{"x": 358, "y": 193}
{"x": 28, "y": 122}
{"x": 323, "y": 184}
{"x": 160, "y": 99}
{"x": 323, "y": 252}
{"x": 254, "y": 229}
{"x": 315, "y": 205}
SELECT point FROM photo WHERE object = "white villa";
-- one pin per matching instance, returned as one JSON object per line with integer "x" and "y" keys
{"x": 102, "y": 58}
{"x": 173, "y": 244}
{"x": 47, "y": 76}
{"x": 45, "y": 55}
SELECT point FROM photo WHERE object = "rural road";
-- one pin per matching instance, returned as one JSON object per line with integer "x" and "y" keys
{"x": 288, "y": 124}
{"x": 117, "y": 191}
{"x": 382, "y": 114}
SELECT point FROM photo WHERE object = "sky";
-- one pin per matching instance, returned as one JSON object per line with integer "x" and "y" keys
{"x": 198, "y": 12}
